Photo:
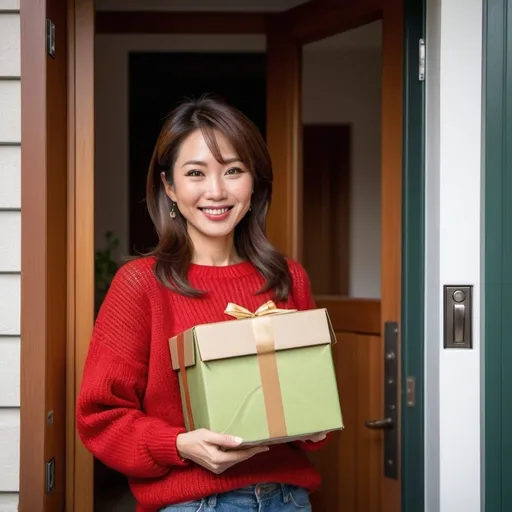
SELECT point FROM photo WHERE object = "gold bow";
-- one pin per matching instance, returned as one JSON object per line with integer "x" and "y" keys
{"x": 269, "y": 308}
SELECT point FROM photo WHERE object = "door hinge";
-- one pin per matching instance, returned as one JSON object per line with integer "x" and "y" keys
{"x": 50, "y": 476}
{"x": 410, "y": 391}
{"x": 50, "y": 38}
{"x": 421, "y": 55}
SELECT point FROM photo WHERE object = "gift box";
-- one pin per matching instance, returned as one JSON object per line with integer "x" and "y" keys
{"x": 266, "y": 377}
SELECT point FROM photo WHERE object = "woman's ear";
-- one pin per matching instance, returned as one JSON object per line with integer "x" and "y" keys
{"x": 169, "y": 189}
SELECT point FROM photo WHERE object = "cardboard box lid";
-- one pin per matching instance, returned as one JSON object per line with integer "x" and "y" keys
{"x": 236, "y": 338}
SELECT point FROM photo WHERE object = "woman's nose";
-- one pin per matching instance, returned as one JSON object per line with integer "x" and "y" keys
{"x": 215, "y": 190}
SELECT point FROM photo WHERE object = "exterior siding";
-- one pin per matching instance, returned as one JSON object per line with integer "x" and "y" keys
{"x": 10, "y": 256}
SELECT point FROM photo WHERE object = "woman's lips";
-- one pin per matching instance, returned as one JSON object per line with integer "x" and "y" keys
{"x": 219, "y": 213}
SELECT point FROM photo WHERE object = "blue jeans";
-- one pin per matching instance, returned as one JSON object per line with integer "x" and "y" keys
{"x": 255, "y": 498}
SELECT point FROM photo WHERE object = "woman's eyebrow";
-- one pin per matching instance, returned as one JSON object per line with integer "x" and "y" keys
{"x": 204, "y": 164}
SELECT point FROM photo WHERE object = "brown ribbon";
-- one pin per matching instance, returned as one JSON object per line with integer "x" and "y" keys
{"x": 180, "y": 343}
{"x": 267, "y": 362}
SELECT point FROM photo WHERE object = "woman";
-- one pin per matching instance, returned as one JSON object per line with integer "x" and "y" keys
{"x": 208, "y": 192}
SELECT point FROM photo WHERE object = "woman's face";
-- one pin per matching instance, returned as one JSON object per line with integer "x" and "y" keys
{"x": 213, "y": 197}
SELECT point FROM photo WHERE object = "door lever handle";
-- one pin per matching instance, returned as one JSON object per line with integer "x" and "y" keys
{"x": 459, "y": 319}
{"x": 380, "y": 424}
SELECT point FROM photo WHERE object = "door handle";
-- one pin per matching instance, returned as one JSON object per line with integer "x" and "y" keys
{"x": 459, "y": 319}
{"x": 380, "y": 424}
{"x": 457, "y": 316}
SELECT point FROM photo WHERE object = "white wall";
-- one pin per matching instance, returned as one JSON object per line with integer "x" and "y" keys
{"x": 344, "y": 86}
{"x": 453, "y": 213}
{"x": 10, "y": 258}
{"x": 339, "y": 85}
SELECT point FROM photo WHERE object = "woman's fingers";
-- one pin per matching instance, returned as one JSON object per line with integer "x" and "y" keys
{"x": 222, "y": 440}
{"x": 220, "y": 461}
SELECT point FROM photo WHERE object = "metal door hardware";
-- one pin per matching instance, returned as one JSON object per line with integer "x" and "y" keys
{"x": 50, "y": 38}
{"x": 50, "y": 476}
{"x": 410, "y": 391}
{"x": 458, "y": 309}
{"x": 390, "y": 421}
{"x": 421, "y": 56}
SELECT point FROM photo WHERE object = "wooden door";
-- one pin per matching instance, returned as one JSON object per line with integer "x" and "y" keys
{"x": 353, "y": 466}
{"x": 43, "y": 259}
{"x": 80, "y": 298}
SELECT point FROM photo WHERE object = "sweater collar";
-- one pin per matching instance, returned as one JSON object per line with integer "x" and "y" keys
{"x": 227, "y": 271}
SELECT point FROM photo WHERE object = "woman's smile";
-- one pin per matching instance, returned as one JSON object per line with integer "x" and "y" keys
{"x": 211, "y": 194}
{"x": 216, "y": 213}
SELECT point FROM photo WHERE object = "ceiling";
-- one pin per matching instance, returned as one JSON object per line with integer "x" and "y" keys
{"x": 198, "y": 5}
{"x": 366, "y": 37}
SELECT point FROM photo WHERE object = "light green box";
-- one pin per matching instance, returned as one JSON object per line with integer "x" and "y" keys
{"x": 230, "y": 369}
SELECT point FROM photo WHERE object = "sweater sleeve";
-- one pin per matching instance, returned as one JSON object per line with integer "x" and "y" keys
{"x": 110, "y": 420}
{"x": 303, "y": 298}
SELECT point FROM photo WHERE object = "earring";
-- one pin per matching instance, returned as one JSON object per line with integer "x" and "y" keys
{"x": 250, "y": 207}
{"x": 172, "y": 213}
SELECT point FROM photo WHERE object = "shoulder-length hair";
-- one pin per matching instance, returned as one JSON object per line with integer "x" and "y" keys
{"x": 173, "y": 253}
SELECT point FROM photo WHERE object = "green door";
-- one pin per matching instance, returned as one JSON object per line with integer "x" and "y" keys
{"x": 497, "y": 310}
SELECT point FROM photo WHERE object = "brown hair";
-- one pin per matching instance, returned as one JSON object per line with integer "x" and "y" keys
{"x": 174, "y": 250}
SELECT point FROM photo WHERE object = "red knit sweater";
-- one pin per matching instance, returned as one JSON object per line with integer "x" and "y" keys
{"x": 129, "y": 408}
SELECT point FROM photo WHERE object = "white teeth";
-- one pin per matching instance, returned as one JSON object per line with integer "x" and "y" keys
{"x": 216, "y": 211}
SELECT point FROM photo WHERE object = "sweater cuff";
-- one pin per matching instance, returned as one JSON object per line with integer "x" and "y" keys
{"x": 161, "y": 443}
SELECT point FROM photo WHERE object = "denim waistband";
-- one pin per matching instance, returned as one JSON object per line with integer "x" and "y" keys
{"x": 253, "y": 494}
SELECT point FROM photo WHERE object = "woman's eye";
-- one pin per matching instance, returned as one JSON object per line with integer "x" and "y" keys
{"x": 234, "y": 170}
{"x": 194, "y": 173}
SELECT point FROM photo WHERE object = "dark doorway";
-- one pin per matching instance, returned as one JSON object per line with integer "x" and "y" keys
{"x": 157, "y": 82}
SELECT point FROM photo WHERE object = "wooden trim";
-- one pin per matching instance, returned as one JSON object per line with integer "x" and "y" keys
{"x": 361, "y": 316}
{"x": 33, "y": 257}
{"x": 56, "y": 244}
{"x": 70, "y": 306}
{"x": 310, "y": 22}
{"x": 81, "y": 249}
{"x": 180, "y": 23}
{"x": 391, "y": 207}
{"x": 284, "y": 139}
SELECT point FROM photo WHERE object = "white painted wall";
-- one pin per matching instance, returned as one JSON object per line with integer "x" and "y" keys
{"x": 340, "y": 84}
{"x": 10, "y": 258}
{"x": 453, "y": 213}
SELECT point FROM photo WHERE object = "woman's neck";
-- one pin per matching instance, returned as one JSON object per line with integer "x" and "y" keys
{"x": 215, "y": 252}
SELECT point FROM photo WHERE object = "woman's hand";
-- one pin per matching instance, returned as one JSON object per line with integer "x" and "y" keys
{"x": 211, "y": 450}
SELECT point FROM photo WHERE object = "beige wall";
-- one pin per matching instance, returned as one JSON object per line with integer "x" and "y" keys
{"x": 340, "y": 85}
{"x": 10, "y": 255}
{"x": 343, "y": 86}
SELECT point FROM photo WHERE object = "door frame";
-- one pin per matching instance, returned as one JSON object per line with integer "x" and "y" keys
{"x": 497, "y": 255}
{"x": 43, "y": 257}
{"x": 80, "y": 214}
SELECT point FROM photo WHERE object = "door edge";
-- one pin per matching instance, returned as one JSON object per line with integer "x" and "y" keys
{"x": 413, "y": 262}
{"x": 496, "y": 252}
